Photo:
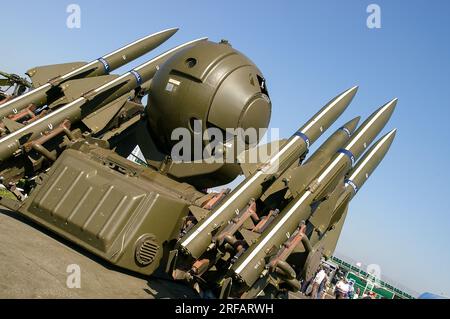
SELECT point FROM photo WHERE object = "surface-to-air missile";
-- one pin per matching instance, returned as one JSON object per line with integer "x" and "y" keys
{"x": 126, "y": 213}
{"x": 46, "y": 80}
{"x": 314, "y": 204}
{"x": 199, "y": 238}
{"x": 236, "y": 239}
{"x": 64, "y": 146}
{"x": 99, "y": 104}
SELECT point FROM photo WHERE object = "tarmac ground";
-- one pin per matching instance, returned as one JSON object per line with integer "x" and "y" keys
{"x": 34, "y": 264}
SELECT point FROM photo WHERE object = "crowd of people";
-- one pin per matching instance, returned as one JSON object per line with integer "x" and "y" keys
{"x": 344, "y": 288}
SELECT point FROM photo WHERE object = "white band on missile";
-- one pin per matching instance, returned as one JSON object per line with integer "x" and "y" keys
{"x": 112, "y": 53}
{"x": 354, "y": 140}
{"x": 293, "y": 139}
{"x": 346, "y": 130}
{"x": 372, "y": 153}
{"x": 352, "y": 184}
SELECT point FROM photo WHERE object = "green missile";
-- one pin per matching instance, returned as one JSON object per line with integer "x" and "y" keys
{"x": 100, "y": 66}
{"x": 361, "y": 172}
{"x": 301, "y": 175}
{"x": 197, "y": 240}
{"x": 250, "y": 265}
{"x": 357, "y": 177}
{"x": 92, "y": 100}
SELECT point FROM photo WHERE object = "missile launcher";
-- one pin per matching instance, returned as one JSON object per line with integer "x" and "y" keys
{"x": 82, "y": 156}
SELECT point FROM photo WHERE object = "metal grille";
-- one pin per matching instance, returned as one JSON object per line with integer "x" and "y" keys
{"x": 146, "y": 250}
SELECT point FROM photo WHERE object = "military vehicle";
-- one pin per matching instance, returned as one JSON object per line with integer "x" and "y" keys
{"x": 66, "y": 145}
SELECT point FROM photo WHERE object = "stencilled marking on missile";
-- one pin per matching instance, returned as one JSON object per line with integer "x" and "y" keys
{"x": 346, "y": 130}
{"x": 137, "y": 76}
{"x": 348, "y": 153}
{"x": 29, "y": 127}
{"x": 352, "y": 184}
{"x": 303, "y": 137}
{"x": 105, "y": 64}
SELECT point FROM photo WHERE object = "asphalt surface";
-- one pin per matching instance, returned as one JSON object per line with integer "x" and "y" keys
{"x": 34, "y": 264}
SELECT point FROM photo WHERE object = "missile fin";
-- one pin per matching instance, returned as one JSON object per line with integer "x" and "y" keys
{"x": 42, "y": 74}
{"x": 323, "y": 213}
{"x": 332, "y": 236}
{"x": 97, "y": 121}
{"x": 198, "y": 212}
{"x": 300, "y": 176}
{"x": 11, "y": 125}
{"x": 251, "y": 159}
{"x": 73, "y": 89}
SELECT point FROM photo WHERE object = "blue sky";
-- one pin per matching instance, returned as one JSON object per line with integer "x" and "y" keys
{"x": 309, "y": 51}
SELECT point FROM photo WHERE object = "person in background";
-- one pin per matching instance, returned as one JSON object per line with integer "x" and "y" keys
{"x": 321, "y": 275}
{"x": 351, "y": 290}
{"x": 357, "y": 294}
{"x": 323, "y": 285}
{"x": 342, "y": 287}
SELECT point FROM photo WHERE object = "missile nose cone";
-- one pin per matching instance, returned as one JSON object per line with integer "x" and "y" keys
{"x": 383, "y": 114}
{"x": 371, "y": 127}
{"x": 352, "y": 124}
{"x": 370, "y": 161}
{"x": 390, "y": 137}
{"x": 170, "y": 32}
{"x": 389, "y": 107}
{"x": 352, "y": 91}
{"x": 346, "y": 97}
{"x": 161, "y": 36}
{"x": 327, "y": 115}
